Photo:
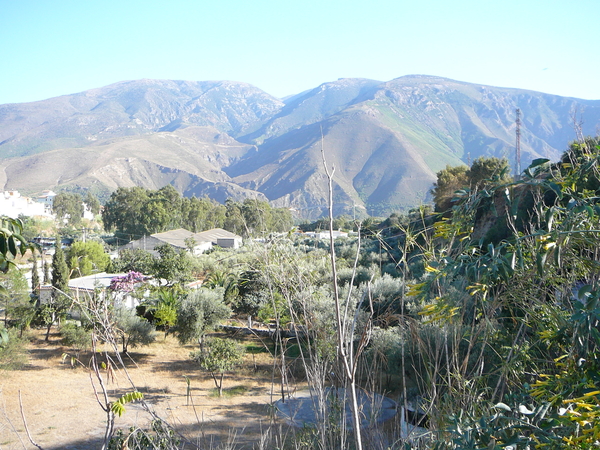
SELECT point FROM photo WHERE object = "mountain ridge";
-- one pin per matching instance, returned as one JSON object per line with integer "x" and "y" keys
{"x": 386, "y": 139}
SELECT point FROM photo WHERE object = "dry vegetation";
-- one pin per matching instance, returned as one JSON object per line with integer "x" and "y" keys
{"x": 62, "y": 413}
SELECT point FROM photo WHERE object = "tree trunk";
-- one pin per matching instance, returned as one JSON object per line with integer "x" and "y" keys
{"x": 349, "y": 360}
{"x": 48, "y": 329}
{"x": 216, "y": 382}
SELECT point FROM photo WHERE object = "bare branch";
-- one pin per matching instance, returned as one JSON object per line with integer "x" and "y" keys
{"x": 25, "y": 424}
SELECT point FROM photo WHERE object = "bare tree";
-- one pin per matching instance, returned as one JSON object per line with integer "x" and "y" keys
{"x": 346, "y": 326}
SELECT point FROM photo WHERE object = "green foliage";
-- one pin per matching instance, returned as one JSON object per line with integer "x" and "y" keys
{"x": 162, "y": 309}
{"x": 281, "y": 220}
{"x": 175, "y": 267}
{"x": 520, "y": 427}
{"x": 123, "y": 212}
{"x": 16, "y": 299}
{"x": 22, "y": 314}
{"x": 85, "y": 258}
{"x": 92, "y": 203}
{"x": 13, "y": 354}
{"x": 68, "y": 208}
{"x": 46, "y": 269}
{"x": 504, "y": 314}
{"x": 133, "y": 330}
{"x": 136, "y": 212}
{"x": 342, "y": 222}
{"x": 60, "y": 270}
{"x": 15, "y": 289}
{"x": 76, "y": 336}
{"x": 582, "y": 153}
{"x": 159, "y": 437}
{"x": 4, "y": 337}
{"x": 34, "y": 227}
{"x": 387, "y": 293}
{"x": 199, "y": 313}
{"x": 275, "y": 307}
{"x": 449, "y": 180}
{"x": 252, "y": 293}
{"x": 219, "y": 278}
{"x": 133, "y": 260}
{"x": 166, "y": 311}
{"x": 234, "y": 391}
{"x": 118, "y": 406}
{"x": 11, "y": 242}
{"x": 199, "y": 214}
{"x": 234, "y": 218}
{"x": 488, "y": 172}
{"x": 59, "y": 302}
{"x": 219, "y": 356}
{"x": 257, "y": 215}
{"x": 484, "y": 173}
{"x": 35, "y": 275}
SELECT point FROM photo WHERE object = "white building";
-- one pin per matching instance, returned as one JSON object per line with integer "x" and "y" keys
{"x": 222, "y": 238}
{"x": 84, "y": 288}
{"x": 182, "y": 239}
{"x": 47, "y": 198}
{"x": 13, "y": 204}
{"x": 326, "y": 235}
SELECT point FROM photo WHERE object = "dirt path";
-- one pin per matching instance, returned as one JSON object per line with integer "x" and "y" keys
{"x": 62, "y": 411}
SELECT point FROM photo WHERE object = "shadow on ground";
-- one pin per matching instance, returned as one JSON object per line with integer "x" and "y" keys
{"x": 243, "y": 428}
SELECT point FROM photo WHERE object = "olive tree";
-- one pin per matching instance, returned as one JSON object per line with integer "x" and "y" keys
{"x": 132, "y": 329}
{"x": 219, "y": 356}
{"x": 199, "y": 313}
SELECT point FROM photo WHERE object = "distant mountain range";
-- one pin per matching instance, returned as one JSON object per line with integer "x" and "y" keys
{"x": 223, "y": 139}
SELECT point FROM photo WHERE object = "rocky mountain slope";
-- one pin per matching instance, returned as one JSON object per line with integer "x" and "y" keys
{"x": 386, "y": 140}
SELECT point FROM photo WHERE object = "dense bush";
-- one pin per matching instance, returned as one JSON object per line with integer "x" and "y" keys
{"x": 13, "y": 353}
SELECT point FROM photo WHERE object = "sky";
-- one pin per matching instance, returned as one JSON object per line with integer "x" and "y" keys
{"x": 58, "y": 47}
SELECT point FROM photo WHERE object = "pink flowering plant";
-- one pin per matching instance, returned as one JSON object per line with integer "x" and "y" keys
{"x": 128, "y": 282}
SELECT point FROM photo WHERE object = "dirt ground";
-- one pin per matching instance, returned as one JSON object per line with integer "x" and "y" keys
{"x": 61, "y": 410}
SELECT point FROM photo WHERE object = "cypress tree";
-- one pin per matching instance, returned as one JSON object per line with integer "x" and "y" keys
{"x": 46, "y": 271}
{"x": 60, "y": 283}
{"x": 60, "y": 270}
{"x": 35, "y": 276}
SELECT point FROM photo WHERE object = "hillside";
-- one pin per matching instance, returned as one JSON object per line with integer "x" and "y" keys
{"x": 221, "y": 138}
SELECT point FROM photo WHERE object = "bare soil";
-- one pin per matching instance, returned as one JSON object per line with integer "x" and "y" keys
{"x": 62, "y": 412}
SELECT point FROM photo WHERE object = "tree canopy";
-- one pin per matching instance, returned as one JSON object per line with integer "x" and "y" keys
{"x": 136, "y": 212}
{"x": 68, "y": 207}
{"x": 484, "y": 172}
{"x": 85, "y": 258}
{"x": 199, "y": 313}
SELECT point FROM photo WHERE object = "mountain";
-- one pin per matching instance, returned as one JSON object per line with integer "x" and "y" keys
{"x": 386, "y": 140}
{"x": 131, "y": 108}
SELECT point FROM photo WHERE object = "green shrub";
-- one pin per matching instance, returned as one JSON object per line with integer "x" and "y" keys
{"x": 13, "y": 354}
{"x": 76, "y": 336}
{"x": 158, "y": 437}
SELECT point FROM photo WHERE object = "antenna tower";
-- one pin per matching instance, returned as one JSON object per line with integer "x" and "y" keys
{"x": 518, "y": 144}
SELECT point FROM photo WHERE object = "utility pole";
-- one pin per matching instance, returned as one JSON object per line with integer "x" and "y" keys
{"x": 518, "y": 145}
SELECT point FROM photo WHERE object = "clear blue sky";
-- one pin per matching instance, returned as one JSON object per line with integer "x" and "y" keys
{"x": 55, "y": 47}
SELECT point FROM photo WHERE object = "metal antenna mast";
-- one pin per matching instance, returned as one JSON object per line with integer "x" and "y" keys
{"x": 518, "y": 144}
